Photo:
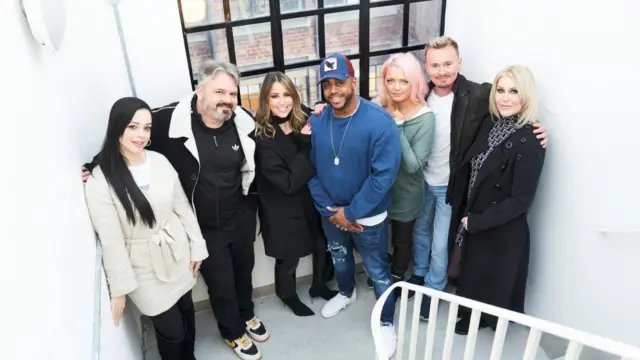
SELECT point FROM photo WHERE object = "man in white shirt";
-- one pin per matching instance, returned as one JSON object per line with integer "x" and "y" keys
{"x": 460, "y": 106}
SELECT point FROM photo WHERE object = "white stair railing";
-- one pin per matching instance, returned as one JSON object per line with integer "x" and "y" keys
{"x": 577, "y": 339}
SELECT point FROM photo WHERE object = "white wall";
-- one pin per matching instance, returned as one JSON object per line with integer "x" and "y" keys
{"x": 54, "y": 113}
{"x": 585, "y": 57}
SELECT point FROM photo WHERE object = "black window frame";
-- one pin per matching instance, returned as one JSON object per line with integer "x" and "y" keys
{"x": 275, "y": 20}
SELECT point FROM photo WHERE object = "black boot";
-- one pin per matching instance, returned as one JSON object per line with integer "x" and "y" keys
{"x": 169, "y": 349}
{"x": 321, "y": 259}
{"x": 297, "y": 306}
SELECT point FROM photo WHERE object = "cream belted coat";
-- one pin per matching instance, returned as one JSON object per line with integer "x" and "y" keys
{"x": 150, "y": 265}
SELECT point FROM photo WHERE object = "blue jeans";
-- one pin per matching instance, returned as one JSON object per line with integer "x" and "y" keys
{"x": 431, "y": 238}
{"x": 372, "y": 246}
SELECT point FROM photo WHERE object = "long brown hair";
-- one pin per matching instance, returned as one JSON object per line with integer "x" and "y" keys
{"x": 297, "y": 117}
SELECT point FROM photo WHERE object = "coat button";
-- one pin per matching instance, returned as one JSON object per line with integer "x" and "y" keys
{"x": 498, "y": 186}
{"x": 508, "y": 145}
{"x": 503, "y": 166}
{"x": 518, "y": 157}
{"x": 523, "y": 140}
{"x": 194, "y": 177}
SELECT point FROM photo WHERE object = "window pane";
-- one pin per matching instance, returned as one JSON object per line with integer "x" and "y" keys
{"x": 207, "y": 45}
{"x": 306, "y": 81}
{"x": 424, "y": 21}
{"x": 332, "y": 3}
{"x": 288, "y": 6}
{"x": 375, "y": 70}
{"x": 247, "y": 9}
{"x": 300, "y": 39}
{"x": 341, "y": 32}
{"x": 250, "y": 92}
{"x": 253, "y": 46}
{"x": 385, "y": 31}
{"x": 202, "y": 12}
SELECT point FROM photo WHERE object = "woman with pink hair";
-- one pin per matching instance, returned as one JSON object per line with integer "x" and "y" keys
{"x": 402, "y": 93}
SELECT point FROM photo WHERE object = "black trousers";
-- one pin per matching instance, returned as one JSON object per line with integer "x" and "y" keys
{"x": 176, "y": 330}
{"x": 227, "y": 274}
{"x": 285, "y": 271}
{"x": 402, "y": 242}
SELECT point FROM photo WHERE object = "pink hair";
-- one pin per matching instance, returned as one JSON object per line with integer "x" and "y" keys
{"x": 412, "y": 71}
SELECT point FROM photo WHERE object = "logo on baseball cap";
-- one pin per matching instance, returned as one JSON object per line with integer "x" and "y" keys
{"x": 336, "y": 66}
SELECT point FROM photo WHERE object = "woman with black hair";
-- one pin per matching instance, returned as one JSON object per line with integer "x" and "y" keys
{"x": 151, "y": 241}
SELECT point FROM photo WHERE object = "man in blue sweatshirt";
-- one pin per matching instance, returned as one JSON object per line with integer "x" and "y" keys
{"x": 356, "y": 151}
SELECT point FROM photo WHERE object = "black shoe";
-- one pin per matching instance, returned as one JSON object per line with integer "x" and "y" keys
{"x": 369, "y": 283}
{"x": 462, "y": 326}
{"x": 425, "y": 308}
{"x": 394, "y": 279}
{"x": 415, "y": 280}
{"x": 322, "y": 292}
{"x": 298, "y": 308}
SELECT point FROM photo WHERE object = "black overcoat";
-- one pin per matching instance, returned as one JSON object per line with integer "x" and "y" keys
{"x": 289, "y": 221}
{"x": 495, "y": 254}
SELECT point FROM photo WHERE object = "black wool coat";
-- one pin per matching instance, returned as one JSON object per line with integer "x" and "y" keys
{"x": 495, "y": 253}
{"x": 289, "y": 221}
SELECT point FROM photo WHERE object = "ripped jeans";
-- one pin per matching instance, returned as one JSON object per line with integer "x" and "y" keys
{"x": 372, "y": 246}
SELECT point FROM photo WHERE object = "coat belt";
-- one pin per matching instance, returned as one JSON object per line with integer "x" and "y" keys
{"x": 165, "y": 253}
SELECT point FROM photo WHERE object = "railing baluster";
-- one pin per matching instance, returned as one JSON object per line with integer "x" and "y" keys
{"x": 402, "y": 323}
{"x": 573, "y": 351}
{"x": 451, "y": 325}
{"x": 431, "y": 328}
{"x": 498, "y": 339}
{"x": 533, "y": 343}
{"x": 415, "y": 326}
{"x": 472, "y": 336}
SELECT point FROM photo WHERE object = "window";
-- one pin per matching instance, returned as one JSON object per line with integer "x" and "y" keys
{"x": 292, "y": 36}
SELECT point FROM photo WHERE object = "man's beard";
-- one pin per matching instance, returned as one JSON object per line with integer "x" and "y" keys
{"x": 219, "y": 115}
{"x": 347, "y": 100}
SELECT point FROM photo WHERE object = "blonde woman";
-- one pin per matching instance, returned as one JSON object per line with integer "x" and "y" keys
{"x": 152, "y": 244}
{"x": 402, "y": 94}
{"x": 500, "y": 172}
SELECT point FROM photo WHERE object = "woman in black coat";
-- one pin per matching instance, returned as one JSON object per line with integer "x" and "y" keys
{"x": 289, "y": 222}
{"x": 500, "y": 174}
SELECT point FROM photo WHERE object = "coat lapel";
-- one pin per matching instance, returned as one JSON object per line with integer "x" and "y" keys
{"x": 491, "y": 163}
{"x": 181, "y": 125}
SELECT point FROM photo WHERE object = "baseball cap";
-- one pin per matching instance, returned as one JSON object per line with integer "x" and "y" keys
{"x": 336, "y": 66}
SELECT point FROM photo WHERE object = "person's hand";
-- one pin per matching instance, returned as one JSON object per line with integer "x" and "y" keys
{"x": 464, "y": 222}
{"x": 117, "y": 307}
{"x": 85, "y": 173}
{"x": 398, "y": 117}
{"x": 195, "y": 266}
{"x": 341, "y": 222}
{"x": 541, "y": 133}
{"x": 317, "y": 108}
{"x": 306, "y": 130}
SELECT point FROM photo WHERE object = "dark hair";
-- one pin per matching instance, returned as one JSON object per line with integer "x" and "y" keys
{"x": 114, "y": 165}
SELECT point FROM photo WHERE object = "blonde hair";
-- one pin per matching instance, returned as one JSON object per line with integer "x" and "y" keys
{"x": 297, "y": 117}
{"x": 441, "y": 43}
{"x": 525, "y": 83}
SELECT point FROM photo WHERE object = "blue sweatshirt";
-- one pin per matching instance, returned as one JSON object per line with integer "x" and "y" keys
{"x": 369, "y": 161}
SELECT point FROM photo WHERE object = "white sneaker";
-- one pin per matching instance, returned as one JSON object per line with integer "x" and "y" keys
{"x": 389, "y": 340}
{"x": 336, "y": 304}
